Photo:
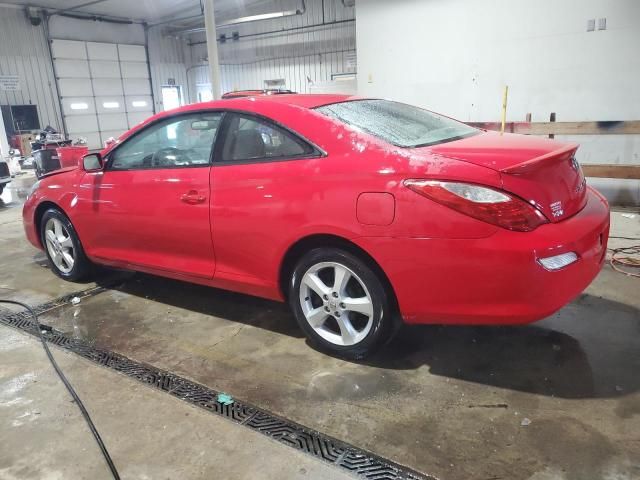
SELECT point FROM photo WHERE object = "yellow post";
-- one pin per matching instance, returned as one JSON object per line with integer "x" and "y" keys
{"x": 504, "y": 108}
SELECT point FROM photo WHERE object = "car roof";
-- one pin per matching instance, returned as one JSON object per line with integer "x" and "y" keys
{"x": 305, "y": 100}
{"x": 248, "y": 93}
{"x": 300, "y": 100}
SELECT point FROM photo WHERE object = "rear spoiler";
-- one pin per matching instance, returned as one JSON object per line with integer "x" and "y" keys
{"x": 566, "y": 151}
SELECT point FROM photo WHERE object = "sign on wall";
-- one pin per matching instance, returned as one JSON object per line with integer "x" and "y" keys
{"x": 9, "y": 82}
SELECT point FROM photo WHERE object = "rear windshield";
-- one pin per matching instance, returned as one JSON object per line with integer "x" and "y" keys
{"x": 397, "y": 123}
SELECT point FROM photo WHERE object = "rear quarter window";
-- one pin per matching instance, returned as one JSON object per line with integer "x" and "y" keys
{"x": 397, "y": 123}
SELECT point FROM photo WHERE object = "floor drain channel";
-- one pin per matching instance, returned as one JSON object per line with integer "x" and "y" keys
{"x": 347, "y": 457}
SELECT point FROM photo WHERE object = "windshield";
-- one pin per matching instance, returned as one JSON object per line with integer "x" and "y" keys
{"x": 397, "y": 123}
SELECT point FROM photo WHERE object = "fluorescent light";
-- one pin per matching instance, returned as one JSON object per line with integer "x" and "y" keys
{"x": 110, "y": 104}
{"x": 79, "y": 106}
{"x": 254, "y": 18}
{"x": 139, "y": 103}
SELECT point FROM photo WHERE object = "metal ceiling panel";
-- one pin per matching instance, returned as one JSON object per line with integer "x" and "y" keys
{"x": 157, "y": 10}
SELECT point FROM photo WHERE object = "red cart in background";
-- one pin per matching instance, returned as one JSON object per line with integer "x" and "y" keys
{"x": 71, "y": 155}
{"x": 53, "y": 157}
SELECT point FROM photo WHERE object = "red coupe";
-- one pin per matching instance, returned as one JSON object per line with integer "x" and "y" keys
{"x": 361, "y": 213}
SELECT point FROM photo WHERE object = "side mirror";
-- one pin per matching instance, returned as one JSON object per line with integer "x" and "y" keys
{"x": 92, "y": 162}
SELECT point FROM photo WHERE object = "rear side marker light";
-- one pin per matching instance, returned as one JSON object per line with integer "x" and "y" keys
{"x": 480, "y": 202}
{"x": 558, "y": 261}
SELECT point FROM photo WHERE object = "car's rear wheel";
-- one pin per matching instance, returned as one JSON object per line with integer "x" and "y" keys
{"x": 340, "y": 303}
{"x": 63, "y": 247}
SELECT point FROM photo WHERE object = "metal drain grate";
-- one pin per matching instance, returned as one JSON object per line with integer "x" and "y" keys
{"x": 347, "y": 457}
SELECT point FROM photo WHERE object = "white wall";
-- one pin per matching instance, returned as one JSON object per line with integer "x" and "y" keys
{"x": 314, "y": 52}
{"x": 455, "y": 57}
{"x": 24, "y": 52}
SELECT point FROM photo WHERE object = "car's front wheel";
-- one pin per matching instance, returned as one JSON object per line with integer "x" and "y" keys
{"x": 340, "y": 303}
{"x": 63, "y": 247}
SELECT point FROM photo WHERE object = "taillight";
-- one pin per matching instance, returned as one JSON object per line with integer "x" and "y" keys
{"x": 484, "y": 203}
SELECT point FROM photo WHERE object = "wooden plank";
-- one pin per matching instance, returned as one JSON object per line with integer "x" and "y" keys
{"x": 611, "y": 171}
{"x": 628, "y": 127}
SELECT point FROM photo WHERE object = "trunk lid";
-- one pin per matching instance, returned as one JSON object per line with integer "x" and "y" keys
{"x": 543, "y": 172}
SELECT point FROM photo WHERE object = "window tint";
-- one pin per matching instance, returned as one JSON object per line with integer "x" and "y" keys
{"x": 249, "y": 138}
{"x": 175, "y": 142}
{"x": 397, "y": 123}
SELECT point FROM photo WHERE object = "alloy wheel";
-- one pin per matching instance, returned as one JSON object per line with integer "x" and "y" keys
{"x": 59, "y": 245}
{"x": 336, "y": 303}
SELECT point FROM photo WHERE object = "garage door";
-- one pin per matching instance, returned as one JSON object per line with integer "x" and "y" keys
{"x": 105, "y": 88}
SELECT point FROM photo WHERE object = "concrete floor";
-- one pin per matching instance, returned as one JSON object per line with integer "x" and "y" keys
{"x": 450, "y": 402}
{"x": 149, "y": 434}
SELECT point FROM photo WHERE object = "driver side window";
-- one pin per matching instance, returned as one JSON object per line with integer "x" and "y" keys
{"x": 176, "y": 142}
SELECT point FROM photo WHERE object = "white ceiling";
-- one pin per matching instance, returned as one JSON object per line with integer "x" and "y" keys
{"x": 144, "y": 10}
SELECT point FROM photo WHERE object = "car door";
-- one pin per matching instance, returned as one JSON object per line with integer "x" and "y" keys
{"x": 149, "y": 207}
{"x": 259, "y": 187}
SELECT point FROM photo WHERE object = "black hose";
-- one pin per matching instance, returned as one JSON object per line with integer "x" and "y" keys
{"x": 73, "y": 393}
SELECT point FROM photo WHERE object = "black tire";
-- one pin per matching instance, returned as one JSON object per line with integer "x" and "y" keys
{"x": 82, "y": 266}
{"x": 382, "y": 324}
{"x": 2, "y": 188}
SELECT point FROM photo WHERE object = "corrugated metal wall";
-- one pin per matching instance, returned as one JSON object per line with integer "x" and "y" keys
{"x": 167, "y": 58}
{"x": 24, "y": 52}
{"x": 312, "y": 46}
{"x": 300, "y": 49}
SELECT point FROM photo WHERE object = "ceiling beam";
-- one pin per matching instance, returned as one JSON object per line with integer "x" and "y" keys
{"x": 176, "y": 20}
{"x": 71, "y": 9}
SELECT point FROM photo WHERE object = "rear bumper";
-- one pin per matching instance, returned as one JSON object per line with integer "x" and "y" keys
{"x": 494, "y": 280}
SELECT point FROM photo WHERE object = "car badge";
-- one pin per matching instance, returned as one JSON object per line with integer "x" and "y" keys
{"x": 556, "y": 209}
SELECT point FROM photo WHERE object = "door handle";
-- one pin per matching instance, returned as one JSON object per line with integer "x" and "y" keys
{"x": 192, "y": 197}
